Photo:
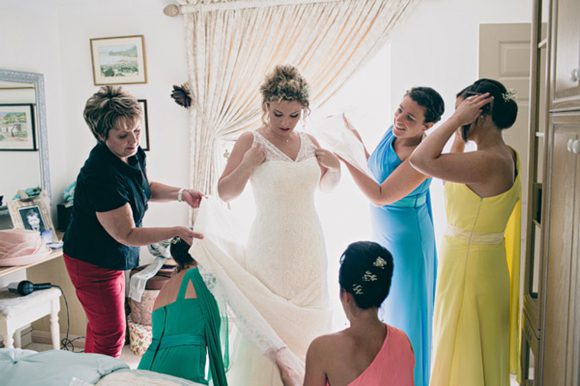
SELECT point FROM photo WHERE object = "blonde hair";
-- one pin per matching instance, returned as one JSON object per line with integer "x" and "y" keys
{"x": 109, "y": 107}
{"x": 284, "y": 83}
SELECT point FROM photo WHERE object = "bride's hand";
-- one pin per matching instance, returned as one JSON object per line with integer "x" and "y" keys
{"x": 253, "y": 157}
{"x": 291, "y": 371}
{"x": 327, "y": 158}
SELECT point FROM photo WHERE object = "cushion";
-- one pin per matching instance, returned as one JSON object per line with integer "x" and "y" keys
{"x": 54, "y": 367}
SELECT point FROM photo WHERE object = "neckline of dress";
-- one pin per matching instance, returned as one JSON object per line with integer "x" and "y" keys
{"x": 280, "y": 151}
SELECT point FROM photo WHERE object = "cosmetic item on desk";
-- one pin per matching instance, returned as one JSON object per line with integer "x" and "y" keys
{"x": 26, "y": 287}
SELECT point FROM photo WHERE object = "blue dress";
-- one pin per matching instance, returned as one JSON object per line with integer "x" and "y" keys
{"x": 405, "y": 228}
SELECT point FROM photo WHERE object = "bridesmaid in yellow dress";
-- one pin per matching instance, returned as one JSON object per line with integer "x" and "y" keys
{"x": 475, "y": 332}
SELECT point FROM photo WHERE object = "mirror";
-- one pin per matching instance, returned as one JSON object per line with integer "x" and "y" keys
{"x": 24, "y": 140}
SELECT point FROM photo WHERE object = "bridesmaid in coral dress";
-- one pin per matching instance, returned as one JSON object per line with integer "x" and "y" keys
{"x": 369, "y": 352}
{"x": 475, "y": 331}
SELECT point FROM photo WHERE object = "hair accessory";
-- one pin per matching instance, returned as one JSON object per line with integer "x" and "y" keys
{"x": 357, "y": 288}
{"x": 380, "y": 262}
{"x": 175, "y": 240}
{"x": 369, "y": 276}
{"x": 509, "y": 95}
{"x": 305, "y": 90}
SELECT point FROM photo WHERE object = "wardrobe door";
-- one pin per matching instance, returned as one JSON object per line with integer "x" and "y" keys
{"x": 565, "y": 54}
{"x": 560, "y": 301}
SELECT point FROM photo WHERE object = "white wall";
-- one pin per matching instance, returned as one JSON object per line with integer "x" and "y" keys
{"x": 29, "y": 42}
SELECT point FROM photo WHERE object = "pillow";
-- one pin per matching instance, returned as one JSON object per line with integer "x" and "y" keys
{"x": 54, "y": 367}
{"x": 142, "y": 378}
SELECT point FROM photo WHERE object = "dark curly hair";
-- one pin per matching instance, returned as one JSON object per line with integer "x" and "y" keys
{"x": 179, "y": 250}
{"x": 503, "y": 109}
{"x": 430, "y": 99}
{"x": 366, "y": 270}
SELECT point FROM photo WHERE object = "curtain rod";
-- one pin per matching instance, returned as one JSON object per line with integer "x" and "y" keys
{"x": 231, "y": 5}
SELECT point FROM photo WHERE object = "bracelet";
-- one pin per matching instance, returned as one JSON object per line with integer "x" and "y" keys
{"x": 180, "y": 195}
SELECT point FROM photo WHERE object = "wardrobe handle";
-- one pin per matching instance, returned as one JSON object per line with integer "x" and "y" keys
{"x": 574, "y": 75}
{"x": 570, "y": 145}
{"x": 576, "y": 147}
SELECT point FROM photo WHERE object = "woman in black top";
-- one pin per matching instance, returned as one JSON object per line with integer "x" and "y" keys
{"x": 111, "y": 196}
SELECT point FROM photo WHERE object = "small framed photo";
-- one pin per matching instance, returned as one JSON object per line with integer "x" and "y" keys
{"x": 17, "y": 130}
{"x": 144, "y": 142}
{"x": 32, "y": 214}
{"x": 119, "y": 60}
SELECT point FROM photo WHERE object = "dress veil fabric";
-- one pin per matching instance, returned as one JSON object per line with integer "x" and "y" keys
{"x": 274, "y": 284}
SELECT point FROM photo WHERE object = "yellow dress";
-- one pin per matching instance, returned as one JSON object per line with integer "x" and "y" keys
{"x": 476, "y": 317}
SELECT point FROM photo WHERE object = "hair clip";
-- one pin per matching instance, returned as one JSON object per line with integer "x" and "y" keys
{"x": 509, "y": 95}
{"x": 305, "y": 90}
{"x": 380, "y": 262}
{"x": 369, "y": 276}
{"x": 357, "y": 288}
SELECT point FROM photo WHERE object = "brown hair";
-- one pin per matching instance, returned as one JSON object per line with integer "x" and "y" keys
{"x": 108, "y": 108}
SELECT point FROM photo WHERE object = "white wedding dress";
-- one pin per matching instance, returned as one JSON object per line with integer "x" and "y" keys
{"x": 275, "y": 286}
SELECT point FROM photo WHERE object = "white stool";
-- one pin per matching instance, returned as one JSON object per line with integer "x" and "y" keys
{"x": 17, "y": 311}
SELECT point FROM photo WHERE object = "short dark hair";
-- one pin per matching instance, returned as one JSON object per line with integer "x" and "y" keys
{"x": 179, "y": 250}
{"x": 431, "y": 100}
{"x": 503, "y": 109}
{"x": 109, "y": 107}
{"x": 366, "y": 270}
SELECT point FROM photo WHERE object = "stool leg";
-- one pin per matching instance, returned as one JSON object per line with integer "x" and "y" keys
{"x": 17, "y": 339}
{"x": 9, "y": 340}
{"x": 54, "y": 328}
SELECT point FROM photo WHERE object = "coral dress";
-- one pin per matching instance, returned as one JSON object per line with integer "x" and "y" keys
{"x": 405, "y": 228}
{"x": 476, "y": 331}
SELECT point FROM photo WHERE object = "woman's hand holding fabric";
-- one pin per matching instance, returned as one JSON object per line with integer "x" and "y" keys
{"x": 327, "y": 159}
{"x": 192, "y": 197}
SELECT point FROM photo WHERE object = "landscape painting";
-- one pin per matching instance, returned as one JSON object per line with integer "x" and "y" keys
{"x": 119, "y": 60}
{"x": 17, "y": 127}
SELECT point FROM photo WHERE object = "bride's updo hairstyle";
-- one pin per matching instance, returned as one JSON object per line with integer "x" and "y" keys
{"x": 284, "y": 83}
{"x": 503, "y": 109}
{"x": 430, "y": 99}
{"x": 179, "y": 251}
{"x": 366, "y": 270}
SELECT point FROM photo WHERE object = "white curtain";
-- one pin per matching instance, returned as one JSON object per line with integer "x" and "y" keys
{"x": 231, "y": 45}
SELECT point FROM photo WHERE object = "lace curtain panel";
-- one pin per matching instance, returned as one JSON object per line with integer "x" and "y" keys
{"x": 231, "y": 45}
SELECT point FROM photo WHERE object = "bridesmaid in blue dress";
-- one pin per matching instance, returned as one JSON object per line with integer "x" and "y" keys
{"x": 402, "y": 221}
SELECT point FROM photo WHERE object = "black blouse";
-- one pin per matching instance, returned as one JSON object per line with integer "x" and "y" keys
{"x": 106, "y": 183}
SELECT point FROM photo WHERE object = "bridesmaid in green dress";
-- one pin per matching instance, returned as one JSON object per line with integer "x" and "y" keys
{"x": 186, "y": 325}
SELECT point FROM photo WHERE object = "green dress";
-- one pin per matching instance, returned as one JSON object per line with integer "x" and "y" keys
{"x": 185, "y": 332}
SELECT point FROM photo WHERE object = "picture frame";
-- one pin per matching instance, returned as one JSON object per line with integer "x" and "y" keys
{"x": 144, "y": 142}
{"x": 32, "y": 214}
{"x": 17, "y": 127}
{"x": 119, "y": 60}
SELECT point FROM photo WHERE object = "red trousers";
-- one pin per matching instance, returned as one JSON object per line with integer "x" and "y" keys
{"x": 101, "y": 292}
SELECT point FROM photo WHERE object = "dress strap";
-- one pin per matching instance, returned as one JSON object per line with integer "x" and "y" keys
{"x": 183, "y": 287}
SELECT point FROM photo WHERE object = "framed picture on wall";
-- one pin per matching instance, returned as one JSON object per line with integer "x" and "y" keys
{"x": 32, "y": 214}
{"x": 119, "y": 60}
{"x": 144, "y": 142}
{"x": 17, "y": 127}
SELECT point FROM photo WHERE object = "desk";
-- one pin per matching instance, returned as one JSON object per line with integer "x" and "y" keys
{"x": 52, "y": 270}
{"x": 5, "y": 271}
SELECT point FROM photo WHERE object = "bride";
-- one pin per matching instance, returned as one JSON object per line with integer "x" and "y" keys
{"x": 276, "y": 285}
